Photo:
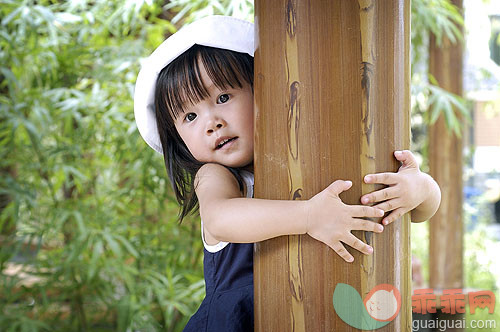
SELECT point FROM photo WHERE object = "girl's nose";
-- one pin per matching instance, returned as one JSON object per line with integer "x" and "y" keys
{"x": 215, "y": 124}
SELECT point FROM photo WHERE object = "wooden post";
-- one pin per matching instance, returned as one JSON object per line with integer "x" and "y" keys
{"x": 332, "y": 98}
{"x": 445, "y": 162}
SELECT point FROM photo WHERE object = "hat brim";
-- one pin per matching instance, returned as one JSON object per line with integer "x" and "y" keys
{"x": 223, "y": 32}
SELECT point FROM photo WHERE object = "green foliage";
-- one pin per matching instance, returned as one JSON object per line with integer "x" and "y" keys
{"x": 192, "y": 10}
{"x": 479, "y": 244}
{"x": 480, "y": 255}
{"x": 480, "y": 258}
{"x": 420, "y": 247}
{"x": 439, "y": 17}
{"x": 434, "y": 101}
{"x": 95, "y": 231}
{"x": 443, "y": 20}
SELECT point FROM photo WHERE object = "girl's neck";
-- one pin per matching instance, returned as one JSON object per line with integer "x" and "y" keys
{"x": 248, "y": 168}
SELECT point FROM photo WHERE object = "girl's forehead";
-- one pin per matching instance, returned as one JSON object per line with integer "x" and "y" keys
{"x": 206, "y": 81}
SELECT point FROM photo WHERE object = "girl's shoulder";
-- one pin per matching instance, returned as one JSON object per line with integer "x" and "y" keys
{"x": 212, "y": 171}
{"x": 214, "y": 179}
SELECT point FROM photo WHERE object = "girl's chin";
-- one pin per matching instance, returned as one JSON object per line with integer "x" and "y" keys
{"x": 246, "y": 165}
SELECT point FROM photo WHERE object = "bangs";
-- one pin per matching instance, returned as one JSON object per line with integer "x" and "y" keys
{"x": 180, "y": 84}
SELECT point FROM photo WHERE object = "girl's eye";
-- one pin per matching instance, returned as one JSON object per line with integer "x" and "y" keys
{"x": 190, "y": 117}
{"x": 223, "y": 98}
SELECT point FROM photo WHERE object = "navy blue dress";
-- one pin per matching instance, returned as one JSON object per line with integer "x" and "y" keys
{"x": 228, "y": 271}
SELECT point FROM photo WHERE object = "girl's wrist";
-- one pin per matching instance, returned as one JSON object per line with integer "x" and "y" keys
{"x": 308, "y": 209}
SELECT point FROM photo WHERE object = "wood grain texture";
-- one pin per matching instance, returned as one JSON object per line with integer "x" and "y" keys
{"x": 332, "y": 98}
{"x": 446, "y": 164}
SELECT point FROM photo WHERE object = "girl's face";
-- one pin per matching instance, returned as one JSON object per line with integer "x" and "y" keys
{"x": 219, "y": 129}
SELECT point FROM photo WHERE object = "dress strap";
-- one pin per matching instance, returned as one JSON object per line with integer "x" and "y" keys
{"x": 248, "y": 179}
{"x": 212, "y": 248}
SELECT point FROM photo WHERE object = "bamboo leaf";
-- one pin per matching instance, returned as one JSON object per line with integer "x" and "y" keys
{"x": 65, "y": 17}
{"x": 127, "y": 245}
{"x": 12, "y": 15}
{"x": 112, "y": 244}
{"x": 97, "y": 251}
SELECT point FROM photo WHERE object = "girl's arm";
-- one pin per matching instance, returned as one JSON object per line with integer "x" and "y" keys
{"x": 409, "y": 190}
{"x": 229, "y": 217}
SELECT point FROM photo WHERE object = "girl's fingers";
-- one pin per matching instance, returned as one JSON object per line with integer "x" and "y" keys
{"x": 406, "y": 157}
{"x": 379, "y": 195}
{"x": 389, "y": 205}
{"x": 359, "y": 245}
{"x": 339, "y": 186}
{"x": 366, "y": 225}
{"x": 342, "y": 251}
{"x": 382, "y": 178}
{"x": 393, "y": 216}
{"x": 360, "y": 211}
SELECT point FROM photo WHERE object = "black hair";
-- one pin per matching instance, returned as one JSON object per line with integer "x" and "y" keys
{"x": 178, "y": 86}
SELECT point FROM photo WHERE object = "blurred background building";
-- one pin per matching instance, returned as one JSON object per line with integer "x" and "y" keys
{"x": 482, "y": 88}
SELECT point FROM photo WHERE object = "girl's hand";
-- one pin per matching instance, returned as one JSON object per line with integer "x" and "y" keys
{"x": 408, "y": 189}
{"x": 331, "y": 221}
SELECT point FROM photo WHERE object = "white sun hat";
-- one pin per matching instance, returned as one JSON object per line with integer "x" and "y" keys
{"x": 216, "y": 31}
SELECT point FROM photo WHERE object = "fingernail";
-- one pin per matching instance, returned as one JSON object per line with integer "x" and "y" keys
{"x": 380, "y": 212}
{"x": 370, "y": 249}
{"x": 398, "y": 153}
{"x": 385, "y": 221}
{"x": 367, "y": 178}
{"x": 380, "y": 228}
{"x": 365, "y": 200}
{"x": 350, "y": 259}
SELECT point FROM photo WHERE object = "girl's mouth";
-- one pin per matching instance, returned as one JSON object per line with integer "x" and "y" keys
{"x": 224, "y": 142}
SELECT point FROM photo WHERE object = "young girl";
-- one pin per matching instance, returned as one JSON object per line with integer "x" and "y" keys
{"x": 194, "y": 104}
